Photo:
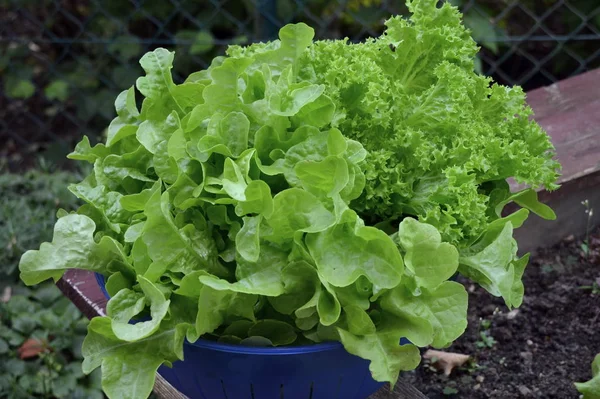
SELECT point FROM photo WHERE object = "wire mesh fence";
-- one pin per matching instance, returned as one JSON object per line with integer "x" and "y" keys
{"x": 62, "y": 62}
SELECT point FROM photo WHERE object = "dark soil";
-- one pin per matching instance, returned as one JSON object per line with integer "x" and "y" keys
{"x": 540, "y": 349}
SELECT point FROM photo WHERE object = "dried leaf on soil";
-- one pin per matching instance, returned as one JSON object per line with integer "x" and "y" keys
{"x": 446, "y": 361}
{"x": 32, "y": 348}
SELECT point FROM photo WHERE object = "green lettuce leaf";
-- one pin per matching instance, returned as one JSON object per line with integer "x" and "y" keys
{"x": 300, "y": 282}
{"x": 262, "y": 277}
{"x": 348, "y": 250}
{"x": 125, "y": 124}
{"x": 278, "y": 332}
{"x": 102, "y": 348}
{"x": 173, "y": 248}
{"x": 126, "y": 304}
{"x": 359, "y": 322}
{"x": 427, "y": 258}
{"x": 387, "y": 356}
{"x": 310, "y": 215}
{"x": 444, "y": 309}
{"x": 528, "y": 199}
{"x": 591, "y": 388}
{"x": 216, "y": 307}
{"x": 492, "y": 263}
{"x": 72, "y": 246}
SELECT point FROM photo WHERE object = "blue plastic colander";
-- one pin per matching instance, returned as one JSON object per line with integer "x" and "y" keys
{"x": 213, "y": 370}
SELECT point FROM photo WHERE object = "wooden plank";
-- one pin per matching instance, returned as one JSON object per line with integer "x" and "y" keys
{"x": 571, "y": 217}
{"x": 570, "y": 112}
{"x": 164, "y": 390}
{"x": 81, "y": 288}
{"x": 564, "y": 96}
{"x": 402, "y": 390}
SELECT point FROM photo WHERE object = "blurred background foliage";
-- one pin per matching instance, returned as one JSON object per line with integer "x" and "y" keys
{"x": 62, "y": 62}
{"x": 40, "y": 330}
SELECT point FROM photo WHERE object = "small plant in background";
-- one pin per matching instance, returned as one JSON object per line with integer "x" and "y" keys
{"x": 449, "y": 391}
{"x": 472, "y": 367}
{"x": 594, "y": 287}
{"x": 548, "y": 268}
{"x": 486, "y": 341}
{"x": 585, "y": 246}
{"x": 485, "y": 338}
{"x": 485, "y": 324}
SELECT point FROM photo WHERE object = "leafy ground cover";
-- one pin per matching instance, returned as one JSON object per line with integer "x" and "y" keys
{"x": 40, "y": 330}
{"x": 40, "y": 347}
{"x": 537, "y": 351}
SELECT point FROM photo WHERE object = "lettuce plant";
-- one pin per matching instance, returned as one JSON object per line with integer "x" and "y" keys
{"x": 302, "y": 191}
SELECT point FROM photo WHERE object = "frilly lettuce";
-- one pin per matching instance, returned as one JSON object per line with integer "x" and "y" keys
{"x": 302, "y": 191}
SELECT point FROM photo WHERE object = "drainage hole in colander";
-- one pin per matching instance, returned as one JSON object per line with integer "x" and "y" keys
{"x": 252, "y": 392}
{"x": 281, "y": 395}
{"x": 312, "y": 387}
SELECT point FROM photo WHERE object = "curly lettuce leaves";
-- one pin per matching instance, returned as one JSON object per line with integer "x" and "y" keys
{"x": 434, "y": 130}
{"x": 125, "y": 124}
{"x": 216, "y": 307}
{"x": 300, "y": 283}
{"x": 176, "y": 248}
{"x": 299, "y": 190}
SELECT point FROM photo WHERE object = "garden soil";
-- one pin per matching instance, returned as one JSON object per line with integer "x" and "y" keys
{"x": 537, "y": 351}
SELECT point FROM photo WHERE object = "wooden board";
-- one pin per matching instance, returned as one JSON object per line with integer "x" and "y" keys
{"x": 570, "y": 113}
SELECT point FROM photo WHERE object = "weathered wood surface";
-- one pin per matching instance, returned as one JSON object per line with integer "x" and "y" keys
{"x": 402, "y": 390}
{"x": 570, "y": 113}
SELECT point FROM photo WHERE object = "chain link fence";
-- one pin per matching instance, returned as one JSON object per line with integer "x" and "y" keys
{"x": 62, "y": 62}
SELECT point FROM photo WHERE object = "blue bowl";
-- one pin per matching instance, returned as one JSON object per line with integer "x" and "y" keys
{"x": 213, "y": 370}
